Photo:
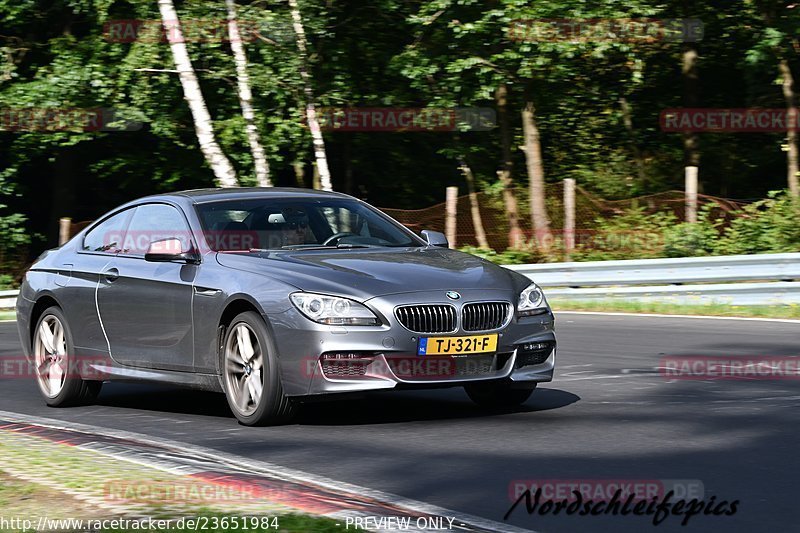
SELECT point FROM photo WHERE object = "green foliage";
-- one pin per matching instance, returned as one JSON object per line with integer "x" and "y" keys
{"x": 689, "y": 240}
{"x": 693, "y": 239}
{"x": 14, "y": 242}
{"x": 508, "y": 257}
{"x": 632, "y": 234}
{"x": 611, "y": 176}
{"x": 12, "y": 232}
{"x": 767, "y": 226}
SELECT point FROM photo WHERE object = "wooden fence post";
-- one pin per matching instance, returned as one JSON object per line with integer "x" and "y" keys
{"x": 64, "y": 227}
{"x": 450, "y": 215}
{"x": 691, "y": 194}
{"x": 569, "y": 217}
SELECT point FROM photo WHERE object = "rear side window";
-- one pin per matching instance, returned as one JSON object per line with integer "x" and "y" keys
{"x": 108, "y": 235}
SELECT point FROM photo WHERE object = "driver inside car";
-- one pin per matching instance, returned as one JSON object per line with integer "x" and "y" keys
{"x": 293, "y": 225}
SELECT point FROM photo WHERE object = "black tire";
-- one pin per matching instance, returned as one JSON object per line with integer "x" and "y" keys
{"x": 273, "y": 406}
{"x": 502, "y": 394}
{"x": 75, "y": 390}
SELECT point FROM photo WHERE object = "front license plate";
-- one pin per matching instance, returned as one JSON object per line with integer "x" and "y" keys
{"x": 457, "y": 345}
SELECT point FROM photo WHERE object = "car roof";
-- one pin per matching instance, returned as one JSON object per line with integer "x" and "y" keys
{"x": 244, "y": 193}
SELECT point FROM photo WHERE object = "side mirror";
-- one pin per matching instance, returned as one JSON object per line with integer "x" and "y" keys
{"x": 434, "y": 238}
{"x": 167, "y": 250}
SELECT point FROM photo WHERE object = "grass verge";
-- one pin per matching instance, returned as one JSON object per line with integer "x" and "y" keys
{"x": 23, "y": 500}
{"x": 613, "y": 306}
{"x": 40, "y": 478}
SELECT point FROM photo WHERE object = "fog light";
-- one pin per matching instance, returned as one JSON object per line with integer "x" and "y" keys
{"x": 535, "y": 346}
{"x": 346, "y": 356}
{"x": 534, "y": 353}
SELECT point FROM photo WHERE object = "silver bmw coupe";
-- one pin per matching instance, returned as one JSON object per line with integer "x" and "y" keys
{"x": 273, "y": 296}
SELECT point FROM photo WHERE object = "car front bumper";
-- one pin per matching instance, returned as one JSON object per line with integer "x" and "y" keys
{"x": 319, "y": 359}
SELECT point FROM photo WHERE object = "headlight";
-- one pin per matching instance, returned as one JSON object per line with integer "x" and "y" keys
{"x": 531, "y": 301}
{"x": 333, "y": 310}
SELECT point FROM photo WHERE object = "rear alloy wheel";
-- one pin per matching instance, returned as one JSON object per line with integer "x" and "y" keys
{"x": 57, "y": 373}
{"x": 502, "y": 394}
{"x": 251, "y": 375}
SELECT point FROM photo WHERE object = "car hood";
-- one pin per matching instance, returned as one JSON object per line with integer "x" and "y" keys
{"x": 370, "y": 272}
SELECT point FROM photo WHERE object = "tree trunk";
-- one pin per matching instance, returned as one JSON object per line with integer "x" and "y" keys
{"x": 515, "y": 235}
{"x": 311, "y": 112}
{"x": 300, "y": 174}
{"x": 348, "y": 165}
{"x": 637, "y": 154}
{"x": 246, "y": 98}
{"x": 477, "y": 221}
{"x": 533, "y": 159}
{"x": 791, "y": 132}
{"x": 316, "y": 181}
{"x": 62, "y": 190}
{"x": 691, "y": 140}
{"x": 219, "y": 163}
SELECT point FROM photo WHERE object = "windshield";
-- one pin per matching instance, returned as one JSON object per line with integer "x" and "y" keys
{"x": 298, "y": 223}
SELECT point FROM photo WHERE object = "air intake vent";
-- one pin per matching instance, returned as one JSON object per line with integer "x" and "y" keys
{"x": 484, "y": 316}
{"x": 427, "y": 318}
{"x": 345, "y": 368}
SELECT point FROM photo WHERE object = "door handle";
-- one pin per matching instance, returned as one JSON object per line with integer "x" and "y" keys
{"x": 111, "y": 275}
{"x": 201, "y": 291}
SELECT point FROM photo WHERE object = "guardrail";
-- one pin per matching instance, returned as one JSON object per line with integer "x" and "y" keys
{"x": 735, "y": 279}
{"x": 8, "y": 300}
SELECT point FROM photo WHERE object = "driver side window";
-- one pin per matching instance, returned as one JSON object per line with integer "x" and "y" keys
{"x": 155, "y": 222}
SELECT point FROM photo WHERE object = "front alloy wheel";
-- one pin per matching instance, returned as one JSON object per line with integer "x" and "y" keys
{"x": 244, "y": 369}
{"x": 250, "y": 373}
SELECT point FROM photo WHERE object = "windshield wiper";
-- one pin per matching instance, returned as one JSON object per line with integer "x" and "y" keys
{"x": 342, "y": 246}
{"x": 348, "y": 245}
{"x": 305, "y": 247}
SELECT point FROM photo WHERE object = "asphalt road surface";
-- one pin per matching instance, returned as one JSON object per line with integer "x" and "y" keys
{"x": 608, "y": 415}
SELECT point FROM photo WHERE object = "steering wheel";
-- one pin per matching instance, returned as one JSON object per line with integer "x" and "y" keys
{"x": 338, "y": 236}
